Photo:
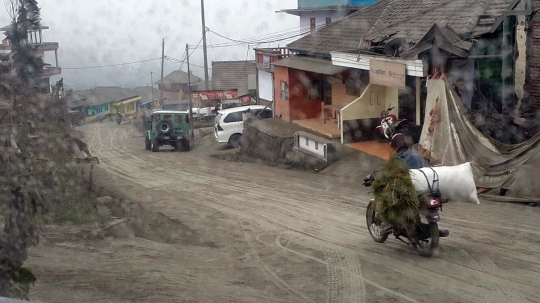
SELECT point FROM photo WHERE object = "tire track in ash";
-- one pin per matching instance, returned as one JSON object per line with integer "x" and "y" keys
{"x": 241, "y": 211}
{"x": 330, "y": 230}
{"x": 287, "y": 290}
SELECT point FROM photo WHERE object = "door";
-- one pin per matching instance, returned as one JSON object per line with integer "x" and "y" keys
{"x": 233, "y": 124}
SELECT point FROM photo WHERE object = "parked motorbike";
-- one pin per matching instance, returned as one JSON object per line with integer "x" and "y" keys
{"x": 118, "y": 119}
{"x": 389, "y": 125}
{"x": 425, "y": 230}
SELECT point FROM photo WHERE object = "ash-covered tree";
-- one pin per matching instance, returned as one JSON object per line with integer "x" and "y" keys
{"x": 27, "y": 66}
{"x": 35, "y": 151}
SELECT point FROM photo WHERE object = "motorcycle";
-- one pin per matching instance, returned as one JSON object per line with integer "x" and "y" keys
{"x": 425, "y": 230}
{"x": 118, "y": 119}
{"x": 389, "y": 126}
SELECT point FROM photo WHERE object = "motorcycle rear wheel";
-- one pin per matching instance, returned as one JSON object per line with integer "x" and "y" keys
{"x": 375, "y": 225}
{"x": 427, "y": 247}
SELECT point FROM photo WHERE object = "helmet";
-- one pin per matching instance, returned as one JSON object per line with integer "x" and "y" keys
{"x": 400, "y": 141}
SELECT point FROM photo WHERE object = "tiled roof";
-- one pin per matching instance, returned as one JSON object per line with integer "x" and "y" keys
{"x": 179, "y": 77}
{"x": 146, "y": 93}
{"x": 403, "y": 18}
{"x": 232, "y": 74}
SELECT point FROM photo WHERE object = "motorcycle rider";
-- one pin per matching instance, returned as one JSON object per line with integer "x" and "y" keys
{"x": 402, "y": 145}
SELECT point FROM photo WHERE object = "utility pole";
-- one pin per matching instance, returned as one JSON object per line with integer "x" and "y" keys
{"x": 192, "y": 133}
{"x": 204, "y": 47}
{"x": 162, "y": 66}
{"x": 152, "y": 85}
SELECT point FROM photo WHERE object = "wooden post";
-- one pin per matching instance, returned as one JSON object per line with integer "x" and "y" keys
{"x": 418, "y": 105}
{"x": 162, "y": 66}
{"x": 520, "y": 58}
{"x": 192, "y": 131}
{"x": 507, "y": 67}
{"x": 205, "y": 52}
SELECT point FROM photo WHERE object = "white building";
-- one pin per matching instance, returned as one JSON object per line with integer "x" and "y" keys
{"x": 316, "y": 13}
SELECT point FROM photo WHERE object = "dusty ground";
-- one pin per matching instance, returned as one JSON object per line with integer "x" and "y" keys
{"x": 244, "y": 232}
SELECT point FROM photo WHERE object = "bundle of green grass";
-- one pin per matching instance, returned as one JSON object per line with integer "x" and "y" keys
{"x": 396, "y": 199}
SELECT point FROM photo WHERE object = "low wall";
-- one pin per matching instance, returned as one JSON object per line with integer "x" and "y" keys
{"x": 359, "y": 130}
{"x": 260, "y": 144}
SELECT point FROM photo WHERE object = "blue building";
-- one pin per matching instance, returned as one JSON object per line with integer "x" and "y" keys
{"x": 316, "y": 13}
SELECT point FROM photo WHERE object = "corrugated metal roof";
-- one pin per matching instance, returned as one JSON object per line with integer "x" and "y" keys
{"x": 310, "y": 64}
{"x": 402, "y": 18}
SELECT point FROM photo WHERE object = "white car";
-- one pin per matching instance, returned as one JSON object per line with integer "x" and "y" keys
{"x": 229, "y": 124}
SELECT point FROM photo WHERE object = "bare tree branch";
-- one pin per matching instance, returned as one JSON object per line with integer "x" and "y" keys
{"x": 11, "y": 8}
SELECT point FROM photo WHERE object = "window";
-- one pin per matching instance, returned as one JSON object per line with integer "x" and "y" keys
{"x": 312, "y": 24}
{"x": 307, "y": 142}
{"x": 314, "y": 91}
{"x": 353, "y": 87}
{"x": 328, "y": 21}
{"x": 167, "y": 117}
{"x": 284, "y": 90}
{"x": 266, "y": 114}
{"x": 316, "y": 145}
{"x": 178, "y": 119}
{"x": 187, "y": 119}
{"x": 233, "y": 117}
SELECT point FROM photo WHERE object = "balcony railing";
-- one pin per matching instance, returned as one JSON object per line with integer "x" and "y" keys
{"x": 45, "y": 46}
{"x": 51, "y": 71}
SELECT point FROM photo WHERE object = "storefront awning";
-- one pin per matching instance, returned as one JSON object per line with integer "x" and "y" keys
{"x": 314, "y": 65}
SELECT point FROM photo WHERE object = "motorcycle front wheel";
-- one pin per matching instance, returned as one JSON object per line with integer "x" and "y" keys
{"x": 427, "y": 247}
{"x": 378, "y": 133}
{"x": 375, "y": 225}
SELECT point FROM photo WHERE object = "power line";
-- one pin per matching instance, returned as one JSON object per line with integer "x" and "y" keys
{"x": 110, "y": 65}
{"x": 267, "y": 38}
{"x": 181, "y": 65}
{"x": 176, "y": 60}
{"x": 280, "y": 34}
{"x": 195, "y": 48}
{"x": 213, "y": 49}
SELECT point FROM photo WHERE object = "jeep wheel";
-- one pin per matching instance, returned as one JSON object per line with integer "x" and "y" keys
{"x": 186, "y": 145}
{"x": 155, "y": 145}
{"x": 147, "y": 143}
{"x": 234, "y": 141}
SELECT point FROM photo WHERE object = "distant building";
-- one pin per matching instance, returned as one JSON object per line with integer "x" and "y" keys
{"x": 176, "y": 88}
{"x": 316, "y": 13}
{"x": 104, "y": 101}
{"x": 35, "y": 39}
{"x": 235, "y": 75}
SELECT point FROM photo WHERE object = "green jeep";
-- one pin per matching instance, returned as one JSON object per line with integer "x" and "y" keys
{"x": 168, "y": 128}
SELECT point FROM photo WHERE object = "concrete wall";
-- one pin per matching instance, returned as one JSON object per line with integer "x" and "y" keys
{"x": 300, "y": 107}
{"x": 282, "y": 108}
{"x": 259, "y": 144}
{"x": 320, "y": 18}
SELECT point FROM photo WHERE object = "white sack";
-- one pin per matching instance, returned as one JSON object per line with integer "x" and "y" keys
{"x": 456, "y": 183}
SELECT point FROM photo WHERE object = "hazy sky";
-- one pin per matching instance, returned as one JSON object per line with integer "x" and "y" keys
{"x": 101, "y": 32}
